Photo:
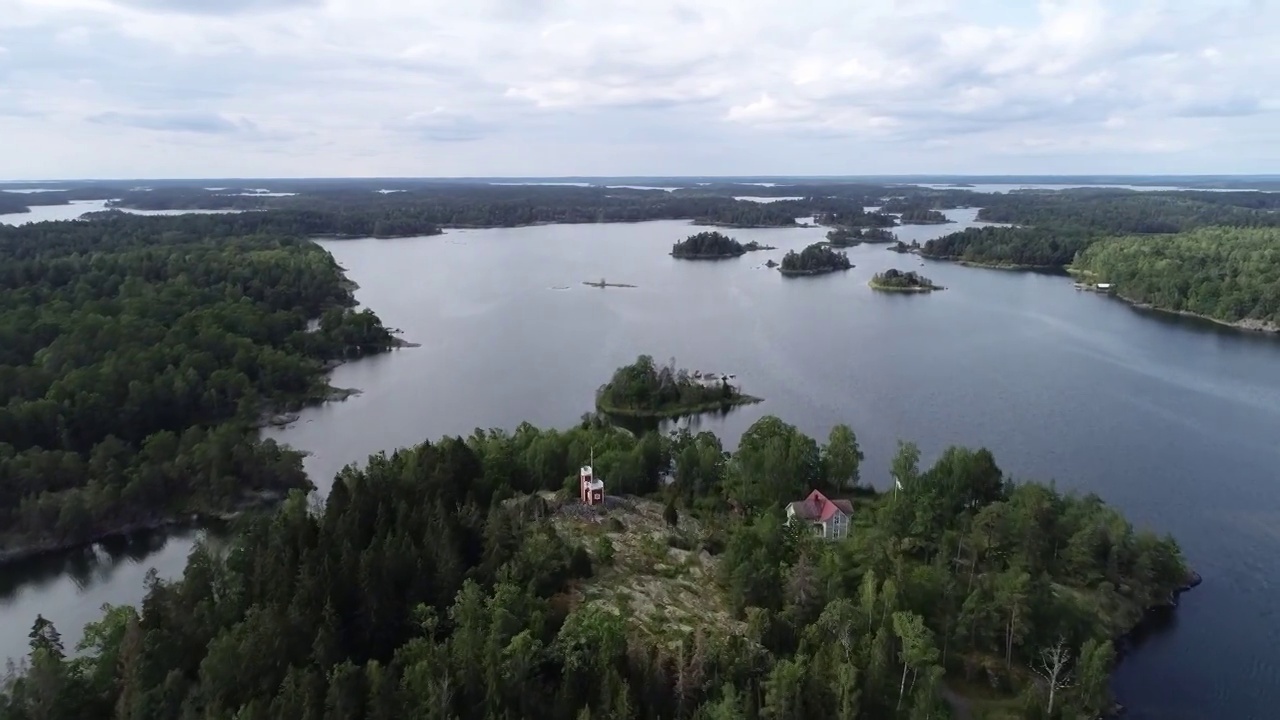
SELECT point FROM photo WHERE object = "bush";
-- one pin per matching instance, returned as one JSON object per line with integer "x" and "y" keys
{"x": 604, "y": 550}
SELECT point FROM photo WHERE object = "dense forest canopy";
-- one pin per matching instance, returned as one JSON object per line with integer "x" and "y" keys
{"x": 922, "y": 216}
{"x": 1228, "y": 274}
{"x": 1054, "y": 226}
{"x": 1037, "y": 247}
{"x": 435, "y": 584}
{"x": 815, "y": 259}
{"x": 850, "y": 237}
{"x": 645, "y": 389}
{"x": 705, "y": 245}
{"x": 895, "y": 279}
{"x": 136, "y": 355}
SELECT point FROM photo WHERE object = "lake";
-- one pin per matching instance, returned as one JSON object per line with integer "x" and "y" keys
{"x": 1172, "y": 420}
{"x": 76, "y": 208}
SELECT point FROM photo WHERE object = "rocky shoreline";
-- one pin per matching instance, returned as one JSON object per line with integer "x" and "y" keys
{"x": 1248, "y": 324}
{"x": 1125, "y": 642}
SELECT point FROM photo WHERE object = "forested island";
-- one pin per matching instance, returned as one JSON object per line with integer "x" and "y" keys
{"x": 713, "y": 246}
{"x": 1229, "y": 275}
{"x": 855, "y": 217}
{"x": 645, "y": 390}
{"x": 894, "y": 280}
{"x": 851, "y": 237}
{"x": 462, "y": 577}
{"x": 816, "y": 259}
{"x": 137, "y": 357}
{"x": 923, "y": 216}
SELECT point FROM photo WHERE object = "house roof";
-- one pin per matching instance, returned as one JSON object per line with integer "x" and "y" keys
{"x": 820, "y": 508}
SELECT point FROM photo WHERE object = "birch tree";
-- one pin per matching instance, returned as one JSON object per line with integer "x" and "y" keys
{"x": 1053, "y": 665}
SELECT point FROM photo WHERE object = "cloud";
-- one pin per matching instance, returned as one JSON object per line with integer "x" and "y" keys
{"x": 218, "y": 7}
{"x": 672, "y": 86}
{"x": 188, "y": 122}
{"x": 441, "y": 125}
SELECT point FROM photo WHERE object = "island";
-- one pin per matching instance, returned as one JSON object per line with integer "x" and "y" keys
{"x": 713, "y": 246}
{"x": 923, "y": 216}
{"x": 894, "y": 280}
{"x": 602, "y": 283}
{"x": 645, "y": 390}
{"x": 842, "y": 237}
{"x": 467, "y": 573}
{"x": 817, "y": 259}
{"x": 904, "y": 248}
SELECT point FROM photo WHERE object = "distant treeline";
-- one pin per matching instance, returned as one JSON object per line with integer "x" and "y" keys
{"x": 1054, "y": 226}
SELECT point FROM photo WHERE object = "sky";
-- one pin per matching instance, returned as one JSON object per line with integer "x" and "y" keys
{"x": 345, "y": 88}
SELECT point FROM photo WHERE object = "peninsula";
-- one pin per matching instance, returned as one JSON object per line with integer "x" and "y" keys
{"x": 713, "y": 246}
{"x": 645, "y": 390}
{"x": 777, "y": 562}
{"x": 894, "y": 280}
{"x": 817, "y": 259}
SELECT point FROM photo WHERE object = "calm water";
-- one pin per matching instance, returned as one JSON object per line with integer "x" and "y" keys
{"x": 1175, "y": 422}
{"x": 76, "y": 208}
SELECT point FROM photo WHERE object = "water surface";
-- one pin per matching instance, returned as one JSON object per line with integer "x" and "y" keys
{"x": 1172, "y": 420}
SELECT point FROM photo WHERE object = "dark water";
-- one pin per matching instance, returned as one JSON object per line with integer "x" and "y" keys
{"x": 1176, "y": 422}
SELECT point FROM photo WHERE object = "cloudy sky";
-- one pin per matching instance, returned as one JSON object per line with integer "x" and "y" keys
{"x": 218, "y": 88}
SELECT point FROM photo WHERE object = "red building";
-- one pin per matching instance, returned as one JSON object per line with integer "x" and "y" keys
{"x": 590, "y": 488}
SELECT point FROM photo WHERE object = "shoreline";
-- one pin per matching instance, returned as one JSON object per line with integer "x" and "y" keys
{"x": 992, "y": 266}
{"x": 278, "y": 416}
{"x": 254, "y": 501}
{"x": 1262, "y": 327}
{"x": 812, "y": 273}
{"x": 679, "y": 412}
{"x": 908, "y": 289}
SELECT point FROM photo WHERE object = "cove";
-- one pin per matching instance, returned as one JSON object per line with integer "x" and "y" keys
{"x": 1171, "y": 420}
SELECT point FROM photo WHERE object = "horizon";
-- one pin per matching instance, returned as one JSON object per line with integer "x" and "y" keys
{"x": 190, "y": 89}
{"x": 908, "y": 178}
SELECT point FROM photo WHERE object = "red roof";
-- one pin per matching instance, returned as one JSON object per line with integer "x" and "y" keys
{"x": 821, "y": 508}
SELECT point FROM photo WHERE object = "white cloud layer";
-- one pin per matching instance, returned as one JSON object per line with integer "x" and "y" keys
{"x": 192, "y": 88}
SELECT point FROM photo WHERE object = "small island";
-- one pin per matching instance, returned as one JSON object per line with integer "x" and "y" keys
{"x": 851, "y": 237}
{"x": 904, "y": 248}
{"x": 713, "y": 246}
{"x": 894, "y": 280}
{"x": 604, "y": 284}
{"x": 644, "y": 390}
{"x": 817, "y": 259}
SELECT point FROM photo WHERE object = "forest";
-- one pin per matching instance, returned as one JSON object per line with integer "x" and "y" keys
{"x": 1227, "y": 274}
{"x": 816, "y": 259}
{"x": 1053, "y": 226}
{"x": 644, "y": 389}
{"x": 842, "y": 237}
{"x": 452, "y": 580}
{"x": 712, "y": 246}
{"x": 483, "y": 205}
{"x": 1018, "y": 247}
{"x": 137, "y": 355}
{"x": 854, "y": 217}
{"x": 922, "y": 216}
